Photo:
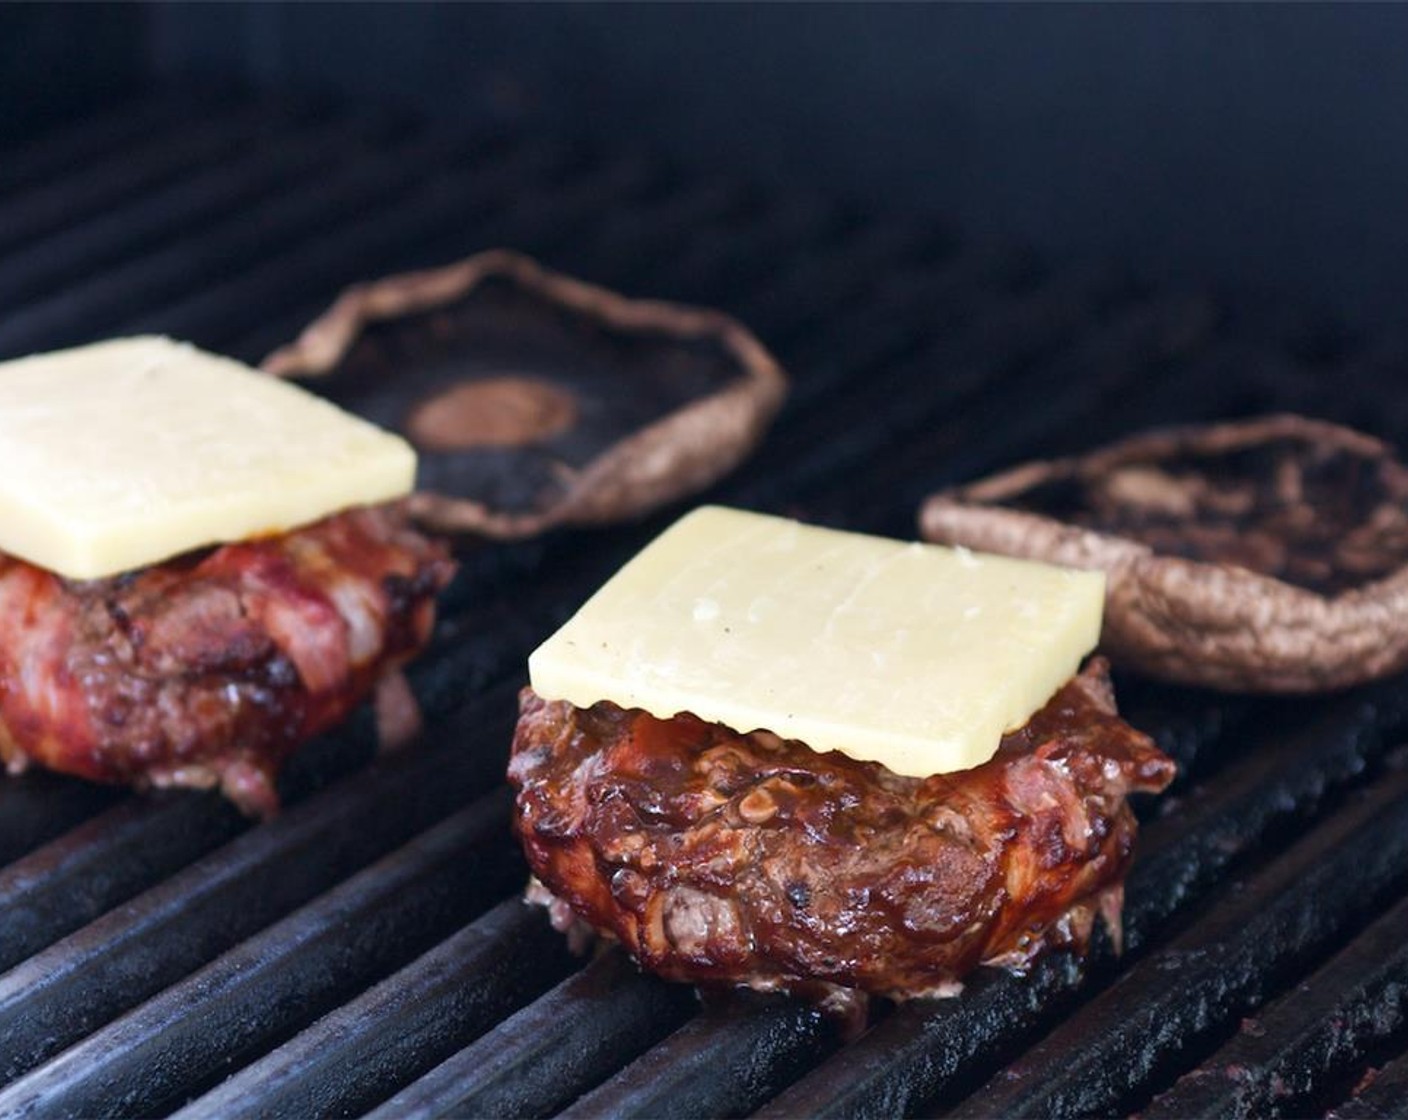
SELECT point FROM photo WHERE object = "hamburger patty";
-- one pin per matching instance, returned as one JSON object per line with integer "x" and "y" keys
{"x": 724, "y": 858}
{"x": 213, "y": 667}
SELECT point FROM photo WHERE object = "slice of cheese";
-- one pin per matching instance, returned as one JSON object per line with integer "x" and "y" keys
{"x": 124, "y": 453}
{"x": 912, "y": 655}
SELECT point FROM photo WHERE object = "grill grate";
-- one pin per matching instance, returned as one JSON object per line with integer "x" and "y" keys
{"x": 364, "y": 951}
{"x": 1298, "y": 1043}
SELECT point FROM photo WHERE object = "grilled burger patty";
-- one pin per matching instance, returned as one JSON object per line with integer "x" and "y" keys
{"x": 722, "y": 858}
{"x": 212, "y": 668}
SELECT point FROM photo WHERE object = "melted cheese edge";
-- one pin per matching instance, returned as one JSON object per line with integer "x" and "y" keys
{"x": 912, "y": 655}
{"x": 128, "y": 452}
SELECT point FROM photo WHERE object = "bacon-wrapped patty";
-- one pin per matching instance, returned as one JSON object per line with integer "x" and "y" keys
{"x": 212, "y": 668}
{"x": 723, "y": 858}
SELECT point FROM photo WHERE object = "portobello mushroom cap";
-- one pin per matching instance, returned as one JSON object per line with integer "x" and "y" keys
{"x": 537, "y": 400}
{"x": 1268, "y": 555}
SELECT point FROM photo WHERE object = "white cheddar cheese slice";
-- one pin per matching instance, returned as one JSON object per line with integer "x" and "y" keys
{"x": 911, "y": 655}
{"x": 121, "y": 454}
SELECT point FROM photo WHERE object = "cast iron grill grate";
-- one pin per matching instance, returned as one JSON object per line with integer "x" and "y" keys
{"x": 365, "y": 952}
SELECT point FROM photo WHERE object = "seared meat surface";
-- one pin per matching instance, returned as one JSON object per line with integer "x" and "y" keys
{"x": 726, "y": 858}
{"x": 211, "y": 668}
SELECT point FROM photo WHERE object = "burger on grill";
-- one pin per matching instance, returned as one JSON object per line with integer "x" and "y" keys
{"x": 200, "y": 568}
{"x": 796, "y": 759}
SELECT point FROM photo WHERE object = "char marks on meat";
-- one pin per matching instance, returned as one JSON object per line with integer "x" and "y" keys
{"x": 211, "y": 669}
{"x": 726, "y": 858}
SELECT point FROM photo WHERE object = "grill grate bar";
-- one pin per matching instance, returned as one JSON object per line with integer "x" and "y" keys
{"x": 219, "y": 311}
{"x": 896, "y": 320}
{"x": 1191, "y": 385}
{"x": 1186, "y": 387}
{"x": 1117, "y": 1047}
{"x": 720, "y": 1064}
{"x": 1258, "y": 802}
{"x": 740, "y": 254}
{"x": 108, "y": 182}
{"x": 1191, "y": 726}
{"x": 985, "y": 367}
{"x": 43, "y": 806}
{"x": 485, "y": 646}
{"x": 1384, "y": 1097}
{"x": 92, "y": 307}
{"x": 814, "y": 347}
{"x": 546, "y": 1055}
{"x": 52, "y": 155}
{"x": 414, "y": 239}
{"x": 632, "y": 240}
{"x": 82, "y": 981}
{"x": 260, "y": 992}
{"x": 1281, "y": 1060}
{"x": 103, "y": 862}
{"x": 1030, "y": 322}
{"x": 931, "y": 1050}
{"x": 359, "y": 1054}
{"x": 1197, "y": 384}
{"x": 819, "y": 281}
{"x": 77, "y": 251}
{"x": 1072, "y": 382}
{"x": 906, "y": 344}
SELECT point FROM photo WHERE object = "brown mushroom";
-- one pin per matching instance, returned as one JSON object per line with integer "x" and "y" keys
{"x": 537, "y": 400}
{"x": 1269, "y": 555}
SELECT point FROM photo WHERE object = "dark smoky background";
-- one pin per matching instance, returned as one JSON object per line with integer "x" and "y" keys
{"x": 1255, "y": 148}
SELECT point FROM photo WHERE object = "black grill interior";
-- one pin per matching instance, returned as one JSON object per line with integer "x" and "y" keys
{"x": 365, "y": 951}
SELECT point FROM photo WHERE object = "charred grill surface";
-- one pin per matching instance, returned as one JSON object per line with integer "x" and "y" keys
{"x": 156, "y": 946}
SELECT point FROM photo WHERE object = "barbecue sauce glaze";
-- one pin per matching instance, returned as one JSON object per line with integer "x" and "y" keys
{"x": 721, "y": 858}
